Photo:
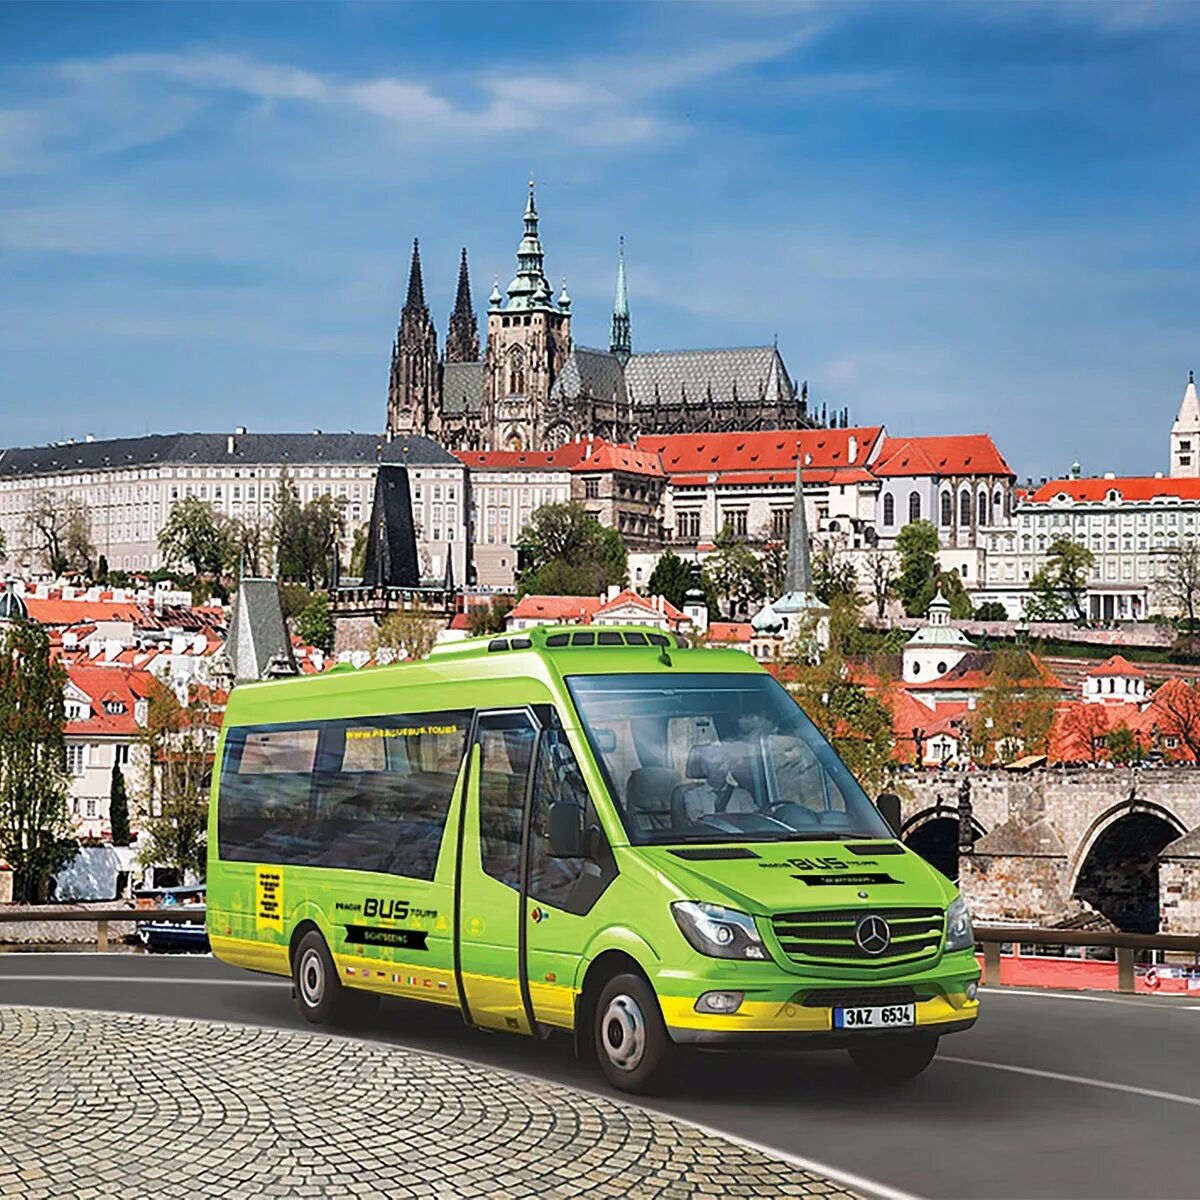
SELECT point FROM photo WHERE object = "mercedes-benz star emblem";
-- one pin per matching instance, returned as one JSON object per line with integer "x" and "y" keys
{"x": 873, "y": 934}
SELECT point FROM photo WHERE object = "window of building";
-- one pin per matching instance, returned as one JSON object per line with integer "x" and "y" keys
{"x": 947, "y": 508}
{"x": 591, "y": 488}
{"x": 687, "y": 524}
{"x": 983, "y": 508}
{"x": 736, "y": 519}
{"x": 76, "y": 758}
{"x": 914, "y": 506}
{"x": 964, "y": 509}
{"x": 889, "y": 509}
{"x": 123, "y": 755}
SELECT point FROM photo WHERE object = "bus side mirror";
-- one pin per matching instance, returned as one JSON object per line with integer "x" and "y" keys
{"x": 889, "y": 809}
{"x": 566, "y": 829}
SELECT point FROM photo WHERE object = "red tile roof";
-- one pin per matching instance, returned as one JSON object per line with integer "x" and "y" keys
{"x": 1117, "y": 665}
{"x": 730, "y": 631}
{"x": 56, "y": 611}
{"x": 610, "y": 456}
{"x": 101, "y": 685}
{"x": 555, "y": 608}
{"x": 563, "y": 458}
{"x": 650, "y": 604}
{"x": 965, "y": 454}
{"x": 1132, "y": 487}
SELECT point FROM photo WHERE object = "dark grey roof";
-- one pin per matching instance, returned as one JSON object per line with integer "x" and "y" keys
{"x": 212, "y": 449}
{"x": 594, "y": 373}
{"x": 391, "y": 538}
{"x": 675, "y": 375}
{"x": 12, "y": 606}
{"x": 258, "y": 646}
{"x": 462, "y": 388}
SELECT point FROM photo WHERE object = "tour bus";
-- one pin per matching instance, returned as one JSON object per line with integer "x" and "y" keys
{"x": 595, "y": 830}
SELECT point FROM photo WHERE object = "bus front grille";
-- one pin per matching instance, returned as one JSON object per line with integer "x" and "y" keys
{"x": 808, "y": 938}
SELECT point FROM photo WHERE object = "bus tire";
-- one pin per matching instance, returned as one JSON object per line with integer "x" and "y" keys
{"x": 630, "y": 1038}
{"x": 893, "y": 1058}
{"x": 320, "y": 996}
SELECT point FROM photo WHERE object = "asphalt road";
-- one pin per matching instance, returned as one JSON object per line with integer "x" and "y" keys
{"x": 1051, "y": 1095}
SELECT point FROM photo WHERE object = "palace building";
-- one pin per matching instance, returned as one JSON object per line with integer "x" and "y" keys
{"x": 530, "y": 388}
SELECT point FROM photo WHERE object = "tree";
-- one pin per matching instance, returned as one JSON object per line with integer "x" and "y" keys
{"x": 315, "y": 625}
{"x": 774, "y": 563}
{"x": 833, "y": 574}
{"x": 991, "y": 610}
{"x": 1125, "y": 746}
{"x": 671, "y": 578}
{"x": 118, "y": 808}
{"x": 883, "y": 580}
{"x": 857, "y": 723}
{"x": 324, "y": 527}
{"x": 734, "y": 573}
{"x": 917, "y": 544}
{"x": 1176, "y": 707}
{"x": 950, "y": 584}
{"x": 358, "y": 553}
{"x": 249, "y": 547}
{"x": 1013, "y": 712}
{"x": 1084, "y": 731}
{"x": 490, "y": 618}
{"x": 569, "y": 553}
{"x": 1058, "y": 589}
{"x": 1179, "y": 585}
{"x": 179, "y": 742}
{"x": 195, "y": 537}
{"x": 60, "y": 534}
{"x": 403, "y": 634}
{"x": 35, "y": 824}
{"x": 287, "y": 529}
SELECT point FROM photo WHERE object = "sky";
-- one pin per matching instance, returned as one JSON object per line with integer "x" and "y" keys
{"x": 955, "y": 218}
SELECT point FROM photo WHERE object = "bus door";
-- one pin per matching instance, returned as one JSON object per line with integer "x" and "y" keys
{"x": 489, "y": 882}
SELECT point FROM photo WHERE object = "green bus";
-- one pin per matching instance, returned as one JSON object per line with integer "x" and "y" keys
{"x": 591, "y": 829}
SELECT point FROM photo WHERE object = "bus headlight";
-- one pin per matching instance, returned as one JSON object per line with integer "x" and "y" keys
{"x": 718, "y": 932}
{"x": 960, "y": 934}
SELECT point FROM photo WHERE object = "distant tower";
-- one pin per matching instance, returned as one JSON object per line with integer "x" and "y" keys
{"x": 1185, "y": 435}
{"x": 413, "y": 388}
{"x": 528, "y": 341}
{"x": 620, "y": 341}
{"x": 462, "y": 335}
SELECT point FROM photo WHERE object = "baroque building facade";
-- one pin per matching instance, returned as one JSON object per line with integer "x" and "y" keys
{"x": 530, "y": 388}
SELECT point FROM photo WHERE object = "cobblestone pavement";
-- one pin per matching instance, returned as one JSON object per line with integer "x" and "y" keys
{"x": 95, "y": 1104}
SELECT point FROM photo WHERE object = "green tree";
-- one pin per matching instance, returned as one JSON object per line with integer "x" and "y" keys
{"x": 1014, "y": 711}
{"x": 315, "y": 624}
{"x": 118, "y": 808}
{"x": 1124, "y": 746}
{"x": 403, "y": 634}
{"x": 294, "y": 598}
{"x": 991, "y": 610}
{"x": 287, "y": 530}
{"x": 195, "y": 537}
{"x": 569, "y": 553}
{"x": 179, "y": 742}
{"x": 60, "y": 534}
{"x": 490, "y": 618}
{"x": 857, "y": 723}
{"x": 249, "y": 547}
{"x": 950, "y": 584}
{"x": 324, "y": 527}
{"x": 1058, "y": 589}
{"x": 35, "y": 825}
{"x": 917, "y": 544}
{"x": 833, "y": 574}
{"x": 883, "y": 580}
{"x": 671, "y": 578}
{"x": 734, "y": 573}
{"x": 358, "y": 553}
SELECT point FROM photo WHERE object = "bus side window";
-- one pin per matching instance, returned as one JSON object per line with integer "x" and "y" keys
{"x": 505, "y": 749}
{"x": 572, "y": 884}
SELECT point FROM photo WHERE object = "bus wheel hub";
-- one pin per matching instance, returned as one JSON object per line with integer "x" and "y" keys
{"x": 624, "y": 1032}
{"x": 312, "y": 978}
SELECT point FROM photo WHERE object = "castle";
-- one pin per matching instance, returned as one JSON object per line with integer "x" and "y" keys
{"x": 531, "y": 388}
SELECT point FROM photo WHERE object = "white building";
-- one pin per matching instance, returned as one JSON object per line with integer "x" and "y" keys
{"x": 129, "y": 486}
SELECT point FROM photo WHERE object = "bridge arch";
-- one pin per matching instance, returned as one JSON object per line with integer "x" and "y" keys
{"x": 1115, "y": 866}
{"x": 933, "y": 834}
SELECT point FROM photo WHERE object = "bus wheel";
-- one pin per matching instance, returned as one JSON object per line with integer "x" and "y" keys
{"x": 894, "y": 1058}
{"x": 320, "y": 995}
{"x": 635, "y": 1051}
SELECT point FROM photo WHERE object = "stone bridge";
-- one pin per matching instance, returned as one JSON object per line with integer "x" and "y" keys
{"x": 1045, "y": 845}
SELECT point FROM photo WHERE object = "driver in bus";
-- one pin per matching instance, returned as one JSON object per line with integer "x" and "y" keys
{"x": 718, "y": 793}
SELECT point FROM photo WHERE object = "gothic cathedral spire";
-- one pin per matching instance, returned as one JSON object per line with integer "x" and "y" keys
{"x": 462, "y": 334}
{"x": 413, "y": 386}
{"x": 620, "y": 341}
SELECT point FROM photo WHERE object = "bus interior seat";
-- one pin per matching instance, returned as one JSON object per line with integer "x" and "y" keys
{"x": 648, "y": 793}
{"x": 700, "y": 757}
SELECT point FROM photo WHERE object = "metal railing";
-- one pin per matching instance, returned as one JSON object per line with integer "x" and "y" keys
{"x": 175, "y": 914}
{"x": 993, "y": 937}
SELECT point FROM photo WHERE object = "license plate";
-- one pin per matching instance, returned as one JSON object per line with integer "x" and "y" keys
{"x": 889, "y": 1016}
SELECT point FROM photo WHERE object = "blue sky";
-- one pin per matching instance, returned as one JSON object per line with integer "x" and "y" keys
{"x": 955, "y": 217}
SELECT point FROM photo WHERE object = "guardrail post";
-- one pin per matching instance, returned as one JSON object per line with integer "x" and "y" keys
{"x": 101, "y": 936}
{"x": 1125, "y": 972}
{"x": 991, "y": 964}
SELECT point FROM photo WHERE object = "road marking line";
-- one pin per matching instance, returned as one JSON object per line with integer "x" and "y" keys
{"x": 126, "y": 980}
{"x": 1160, "y": 1002}
{"x": 1107, "y": 1085}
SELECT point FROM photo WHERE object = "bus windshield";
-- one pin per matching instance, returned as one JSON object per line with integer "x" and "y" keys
{"x": 706, "y": 758}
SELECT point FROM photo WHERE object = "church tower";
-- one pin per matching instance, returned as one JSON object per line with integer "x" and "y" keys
{"x": 528, "y": 341}
{"x": 462, "y": 334}
{"x": 413, "y": 405}
{"x": 1185, "y": 435}
{"x": 620, "y": 341}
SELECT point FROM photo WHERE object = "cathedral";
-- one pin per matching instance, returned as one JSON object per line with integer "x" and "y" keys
{"x": 531, "y": 388}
